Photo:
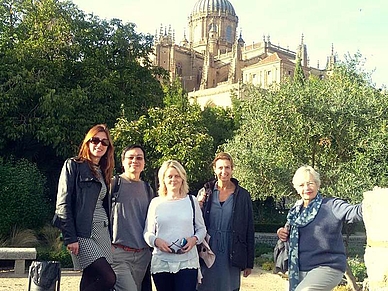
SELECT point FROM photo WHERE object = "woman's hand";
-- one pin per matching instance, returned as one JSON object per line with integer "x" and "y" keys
{"x": 162, "y": 245}
{"x": 191, "y": 242}
{"x": 73, "y": 248}
{"x": 283, "y": 233}
{"x": 247, "y": 272}
{"x": 201, "y": 197}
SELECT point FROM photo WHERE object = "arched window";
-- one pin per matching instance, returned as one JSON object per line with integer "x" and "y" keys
{"x": 178, "y": 69}
{"x": 213, "y": 27}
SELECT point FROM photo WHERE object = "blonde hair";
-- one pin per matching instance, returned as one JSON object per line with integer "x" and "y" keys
{"x": 302, "y": 172}
{"x": 182, "y": 173}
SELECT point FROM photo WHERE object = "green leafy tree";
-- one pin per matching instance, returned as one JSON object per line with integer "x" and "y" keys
{"x": 299, "y": 77}
{"x": 61, "y": 72}
{"x": 178, "y": 131}
{"x": 23, "y": 201}
{"x": 175, "y": 94}
{"x": 337, "y": 125}
{"x": 221, "y": 124}
{"x": 170, "y": 133}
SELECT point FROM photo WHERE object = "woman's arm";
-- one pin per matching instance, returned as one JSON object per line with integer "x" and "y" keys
{"x": 150, "y": 224}
{"x": 64, "y": 204}
{"x": 200, "y": 228}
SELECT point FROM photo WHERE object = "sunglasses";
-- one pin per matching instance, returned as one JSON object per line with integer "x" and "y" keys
{"x": 95, "y": 140}
{"x": 182, "y": 243}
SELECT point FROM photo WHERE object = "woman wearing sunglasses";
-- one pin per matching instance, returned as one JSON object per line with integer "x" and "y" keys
{"x": 173, "y": 232}
{"x": 82, "y": 210}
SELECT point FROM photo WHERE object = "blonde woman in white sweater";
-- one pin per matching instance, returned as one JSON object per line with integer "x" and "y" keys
{"x": 170, "y": 230}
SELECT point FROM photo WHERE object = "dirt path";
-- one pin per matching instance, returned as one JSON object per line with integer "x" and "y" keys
{"x": 258, "y": 280}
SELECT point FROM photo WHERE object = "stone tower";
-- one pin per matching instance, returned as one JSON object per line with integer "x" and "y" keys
{"x": 215, "y": 18}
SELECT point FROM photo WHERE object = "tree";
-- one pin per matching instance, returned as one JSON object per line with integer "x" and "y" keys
{"x": 170, "y": 133}
{"x": 22, "y": 196}
{"x": 221, "y": 124}
{"x": 338, "y": 125}
{"x": 178, "y": 131}
{"x": 61, "y": 72}
{"x": 299, "y": 77}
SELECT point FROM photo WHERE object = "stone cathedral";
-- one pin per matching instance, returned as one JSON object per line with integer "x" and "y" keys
{"x": 213, "y": 60}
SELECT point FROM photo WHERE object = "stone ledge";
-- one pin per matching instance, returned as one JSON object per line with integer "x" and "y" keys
{"x": 17, "y": 253}
{"x": 20, "y": 255}
{"x": 272, "y": 238}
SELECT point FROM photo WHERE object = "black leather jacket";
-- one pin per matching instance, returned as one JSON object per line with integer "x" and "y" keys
{"x": 243, "y": 233}
{"x": 78, "y": 191}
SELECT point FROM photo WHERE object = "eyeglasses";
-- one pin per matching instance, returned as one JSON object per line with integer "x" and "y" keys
{"x": 137, "y": 158}
{"x": 95, "y": 140}
{"x": 308, "y": 184}
{"x": 179, "y": 251}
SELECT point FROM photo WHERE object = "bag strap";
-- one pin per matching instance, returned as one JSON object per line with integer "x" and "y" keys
{"x": 116, "y": 188}
{"x": 192, "y": 205}
{"x": 149, "y": 193}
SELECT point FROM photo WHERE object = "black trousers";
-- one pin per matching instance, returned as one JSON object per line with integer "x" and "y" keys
{"x": 146, "y": 284}
{"x": 185, "y": 279}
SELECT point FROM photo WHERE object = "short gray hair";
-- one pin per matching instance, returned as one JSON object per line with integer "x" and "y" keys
{"x": 302, "y": 171}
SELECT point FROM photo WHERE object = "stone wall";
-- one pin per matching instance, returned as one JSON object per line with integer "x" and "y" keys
{"x": 375, "y": 206}
{"x": 355, "y": 241}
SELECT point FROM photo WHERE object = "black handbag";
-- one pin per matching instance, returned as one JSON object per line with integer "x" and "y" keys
{"x": 44, "y": 276}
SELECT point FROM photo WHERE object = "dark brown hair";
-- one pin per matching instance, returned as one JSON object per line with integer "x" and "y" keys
{"x": 107, "y": 162}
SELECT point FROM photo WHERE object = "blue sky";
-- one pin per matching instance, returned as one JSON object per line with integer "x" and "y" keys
{"x": 348, "y": 25}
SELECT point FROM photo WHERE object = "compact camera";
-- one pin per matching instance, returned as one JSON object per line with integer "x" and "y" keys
{"x": 183, "y": 242}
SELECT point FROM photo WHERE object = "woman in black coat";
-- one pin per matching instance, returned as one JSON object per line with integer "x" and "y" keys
{"x": 82, "y": 209}
{"x": 227, "y": 210}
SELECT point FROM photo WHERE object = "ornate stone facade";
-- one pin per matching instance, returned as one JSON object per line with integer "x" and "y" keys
{"x": 213, "y": 57}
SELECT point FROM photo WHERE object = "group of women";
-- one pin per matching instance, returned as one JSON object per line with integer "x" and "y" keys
{"x": 176, "y": 223}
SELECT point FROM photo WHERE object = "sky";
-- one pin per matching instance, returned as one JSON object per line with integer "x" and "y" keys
{"x": 349, "y": 26}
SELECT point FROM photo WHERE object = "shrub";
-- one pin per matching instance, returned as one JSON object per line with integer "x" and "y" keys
{"x": 358, "y": 268}
{"x": 267, "y": 227}
{"x": 268, "y": 266}
{"x": 261, "y": 249}
{"x": 63, "y": 256}
{"x": 50, "y": 237}
{"x": 19, "y": 238}
{"x": 22, "y": 196}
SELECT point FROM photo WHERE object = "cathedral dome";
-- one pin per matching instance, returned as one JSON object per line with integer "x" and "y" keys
{"x": 211, "y": 6}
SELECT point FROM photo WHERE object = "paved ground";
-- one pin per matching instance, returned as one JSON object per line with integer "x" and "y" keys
{"x": 258, "y": 280}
